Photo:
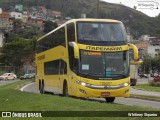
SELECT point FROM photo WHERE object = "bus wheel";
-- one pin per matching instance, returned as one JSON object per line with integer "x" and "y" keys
{"x": 42, "y": 91}
{"x": 110, "y": 99}
{"x": 65, "y": 90}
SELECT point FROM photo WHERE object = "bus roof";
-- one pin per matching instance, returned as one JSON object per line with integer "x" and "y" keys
{"x": 92, "y": 20}
{"x": 82, "y": 20}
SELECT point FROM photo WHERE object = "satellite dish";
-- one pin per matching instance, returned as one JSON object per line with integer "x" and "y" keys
{"x": 0, "y": 10}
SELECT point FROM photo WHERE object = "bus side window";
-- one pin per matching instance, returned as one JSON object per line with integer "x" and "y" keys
{"x": 72, "y": 61}
{"x": 63, "y": 67}
{"x": 71, "y": 32}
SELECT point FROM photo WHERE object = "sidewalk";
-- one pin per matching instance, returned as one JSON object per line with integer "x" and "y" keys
{"x": 144, "y": 92}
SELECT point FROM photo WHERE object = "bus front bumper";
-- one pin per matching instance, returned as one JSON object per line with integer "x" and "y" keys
{"x": 83, "y": 91}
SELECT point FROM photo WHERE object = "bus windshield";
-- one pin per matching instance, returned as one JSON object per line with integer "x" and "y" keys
{"x": 100, "y": 31}
{"x": 103, "y": 65}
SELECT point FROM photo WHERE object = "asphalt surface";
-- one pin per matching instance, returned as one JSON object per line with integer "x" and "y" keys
{"x": 126, "y": 101}
{"x": 143, "y": 92}
{"x": 2, "y": 82}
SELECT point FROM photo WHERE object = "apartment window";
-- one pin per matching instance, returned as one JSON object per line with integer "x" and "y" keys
{"x": 157, "y": 50}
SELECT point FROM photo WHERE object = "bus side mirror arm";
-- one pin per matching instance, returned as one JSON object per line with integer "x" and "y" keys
{"x": 135, "y": 51}
{"x": 76, "y": 49}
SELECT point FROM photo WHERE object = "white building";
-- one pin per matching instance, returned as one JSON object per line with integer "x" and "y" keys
{"x": 145, "y": 37}
{"x": 1, "y": 39}
{"x": 129, "y": 37}
{"x": 16, "y": 15}
{"x": 6, "y": 24}
{"x": 24, "y": 17}
{"x": 153, "y": 51}
{"x": 0, "y": 10}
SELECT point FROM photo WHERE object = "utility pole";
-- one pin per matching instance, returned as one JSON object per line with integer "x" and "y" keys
{"x": 97, "y": 10}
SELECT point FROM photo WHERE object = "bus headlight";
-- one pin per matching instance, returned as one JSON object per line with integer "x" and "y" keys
{"x": 125, "y": 84}
{"x": 80, "y": 83}
{"x": 83, "y": 84}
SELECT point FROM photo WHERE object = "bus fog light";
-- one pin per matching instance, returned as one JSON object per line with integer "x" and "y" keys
{"x": 82, "y": 91}
{"x": 126, "y": 91}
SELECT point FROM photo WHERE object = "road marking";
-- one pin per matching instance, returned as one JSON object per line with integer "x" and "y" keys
{"x": 22, "y": 89}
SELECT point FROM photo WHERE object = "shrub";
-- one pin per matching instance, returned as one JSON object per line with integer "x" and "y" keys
{"x": 156, "y": 79}
{"x": 153, "y": 83}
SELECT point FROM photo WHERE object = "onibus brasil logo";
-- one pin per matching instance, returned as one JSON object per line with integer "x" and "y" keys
{"x": 148, "y": 5}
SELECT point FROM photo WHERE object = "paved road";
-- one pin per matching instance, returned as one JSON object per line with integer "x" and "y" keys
{"x": 2, "y": 82}
{"x": 127, "y": 101}
{"x": 142, "y": 92}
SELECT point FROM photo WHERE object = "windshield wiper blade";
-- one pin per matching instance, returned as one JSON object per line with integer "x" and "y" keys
{"x": 122, "y": 75}
{"x": 93, "y": 74}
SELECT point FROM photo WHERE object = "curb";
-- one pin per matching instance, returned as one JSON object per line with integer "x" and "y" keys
{"x": 25, "y": 85}
{"x": 144, "y": 98}
{"x": 137, "y": 96}
{"x": 144, "y": 89}
{"x": 141, "y": 89}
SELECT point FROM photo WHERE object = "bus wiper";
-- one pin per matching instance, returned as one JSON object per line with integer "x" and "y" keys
{"x": 93, "y": 74}
{"x": 122, "y": 75}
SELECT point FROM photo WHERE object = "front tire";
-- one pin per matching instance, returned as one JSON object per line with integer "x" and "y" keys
{"x": 110, "y": 99}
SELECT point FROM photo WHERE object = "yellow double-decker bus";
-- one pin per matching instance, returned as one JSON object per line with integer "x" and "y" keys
{"x": 85, "y": 58}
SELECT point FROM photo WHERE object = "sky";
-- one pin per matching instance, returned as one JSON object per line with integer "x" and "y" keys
{"x": 149, "y": 7}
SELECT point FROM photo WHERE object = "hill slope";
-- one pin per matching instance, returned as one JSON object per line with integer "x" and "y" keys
{"x": 137, "y": 22}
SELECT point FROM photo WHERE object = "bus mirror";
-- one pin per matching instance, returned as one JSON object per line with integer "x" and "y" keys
{"x": 135, "y": 51}
{"x": 76, "y": 49}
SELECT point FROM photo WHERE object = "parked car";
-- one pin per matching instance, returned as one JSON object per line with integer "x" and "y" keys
{"x": 8, "y": 76}
{"x": 143, "y": 75}
{"x": 28, "y": 76}
{"x": 154, "y": 74}
{"x": 32, "y": 75}
{"x": 157, "y": 78}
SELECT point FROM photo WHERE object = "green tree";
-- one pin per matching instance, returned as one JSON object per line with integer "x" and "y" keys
{"x": 150, "y": 63}
{"x": 146, "y": 64}
{"x": 17, "y": 25}
{"x": 15, "y": 51}
{"x": 158, "y": 33}
{"x": 157, "y": 64}
{"x": 49, "y": 26}
{"x": 29, "y": 32}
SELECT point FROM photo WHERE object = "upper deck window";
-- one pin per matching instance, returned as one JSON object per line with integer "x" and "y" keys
{"x": 71, "y": 32}
{"x": 101, "y": 31}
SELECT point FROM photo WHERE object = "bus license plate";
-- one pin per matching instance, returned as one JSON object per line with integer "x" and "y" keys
{"x": 105, "y": 93}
